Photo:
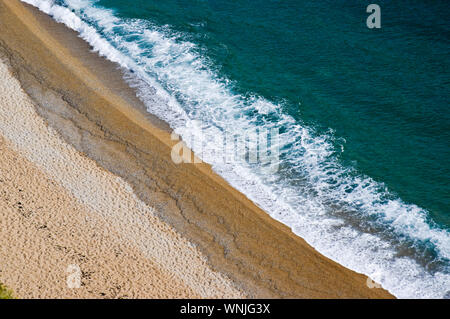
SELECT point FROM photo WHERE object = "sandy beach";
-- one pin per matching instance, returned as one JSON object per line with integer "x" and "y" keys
{"x": 86, "y": 179}
{"x": 65, "y": 210}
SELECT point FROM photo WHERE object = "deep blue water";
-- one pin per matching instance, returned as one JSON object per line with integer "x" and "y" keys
{"x": 368, "y": 126}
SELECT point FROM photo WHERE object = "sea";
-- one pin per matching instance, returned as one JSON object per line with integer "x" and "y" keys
{"x": 361, "y": 114}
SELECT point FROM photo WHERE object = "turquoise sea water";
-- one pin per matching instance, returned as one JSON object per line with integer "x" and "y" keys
{"x": 364, "y": 172}
{"x": 385, "y": 91}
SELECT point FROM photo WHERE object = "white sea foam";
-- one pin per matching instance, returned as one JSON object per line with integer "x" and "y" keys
{"x": 346, "y": 216}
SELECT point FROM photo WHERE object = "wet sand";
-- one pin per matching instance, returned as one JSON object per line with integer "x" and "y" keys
{"x": 71, "y": 126}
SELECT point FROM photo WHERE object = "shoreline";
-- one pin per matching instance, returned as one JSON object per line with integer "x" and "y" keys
{"x": 84, "y": 98}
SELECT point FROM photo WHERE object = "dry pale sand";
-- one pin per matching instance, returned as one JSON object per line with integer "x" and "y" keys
{"x": 59, "y": 208}
{"x": 99, "y": 189}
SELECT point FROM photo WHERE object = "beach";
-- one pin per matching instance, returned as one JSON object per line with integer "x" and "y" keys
{"x": 87, "y": 179}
